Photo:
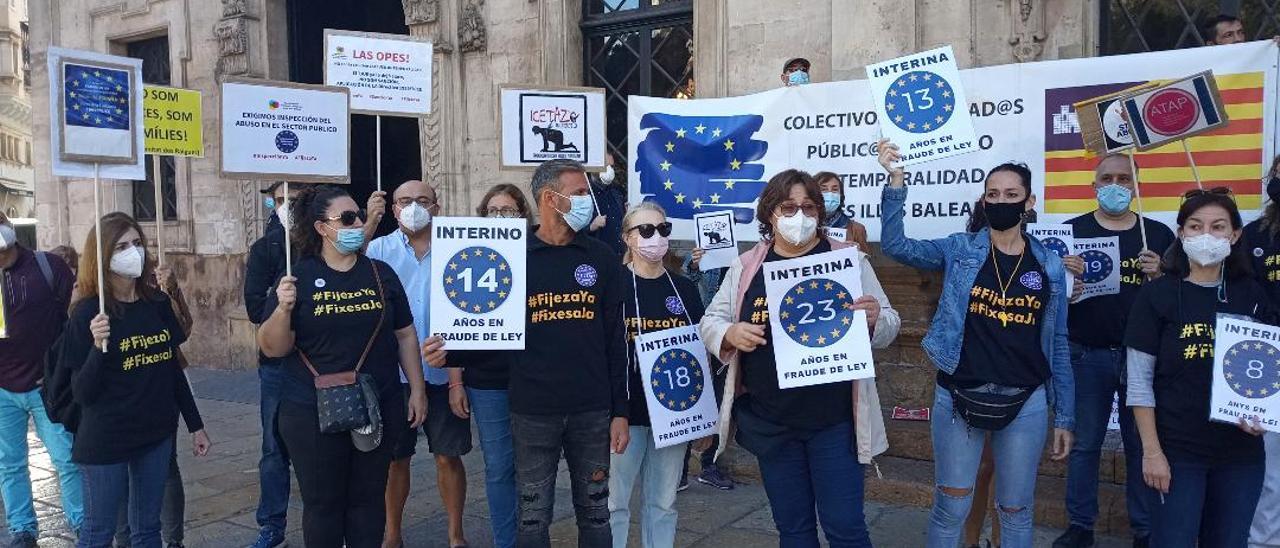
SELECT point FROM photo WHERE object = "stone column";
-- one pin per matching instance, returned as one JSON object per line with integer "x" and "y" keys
{"x": 441, "y": 133}
{"x": 867, "y": 31}
{"x": 710, "y": 25}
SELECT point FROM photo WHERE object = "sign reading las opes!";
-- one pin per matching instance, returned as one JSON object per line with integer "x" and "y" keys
{"x": 388, "y": 74}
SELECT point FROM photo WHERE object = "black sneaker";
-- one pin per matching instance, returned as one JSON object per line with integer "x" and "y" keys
{"x": 711, "y": 475}
{"x": 23, "y": 539}
{"x": 684, "y": 484}
{"x": 1075, "y": 537}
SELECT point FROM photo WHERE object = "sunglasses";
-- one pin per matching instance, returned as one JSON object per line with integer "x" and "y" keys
{"x": 1216, "y": 191}
{"x": 788, "y": 209}
{"x": 646, "y": 230}
{"x": 348, "y": 218}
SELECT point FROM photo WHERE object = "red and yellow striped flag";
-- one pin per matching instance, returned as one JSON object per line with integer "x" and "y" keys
{"x": 1230, "y": 156}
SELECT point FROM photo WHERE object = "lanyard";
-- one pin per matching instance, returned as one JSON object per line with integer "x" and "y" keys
{"x": 635, "y": 293}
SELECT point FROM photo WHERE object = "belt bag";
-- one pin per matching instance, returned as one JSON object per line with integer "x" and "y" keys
{"x": 990, "y": 406}
{"x": 340, "y": 402}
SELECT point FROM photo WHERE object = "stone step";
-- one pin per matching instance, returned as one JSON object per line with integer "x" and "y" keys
{"x": 910, "y": 482}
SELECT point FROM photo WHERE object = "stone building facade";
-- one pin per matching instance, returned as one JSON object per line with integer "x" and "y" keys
{"x": 16, "y": 173}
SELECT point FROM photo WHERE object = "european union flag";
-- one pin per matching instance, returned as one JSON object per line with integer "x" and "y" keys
{"x": 1252, "y": 369}
{"x": 96, "y": 97}
{"x": 696, "y": 164}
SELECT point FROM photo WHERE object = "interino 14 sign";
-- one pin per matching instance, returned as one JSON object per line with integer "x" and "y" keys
{"x": 1175, "y": 111}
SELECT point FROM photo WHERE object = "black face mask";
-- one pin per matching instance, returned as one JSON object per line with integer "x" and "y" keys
{"x": 1273, "y": 189}
{"x": 1005, "y": 215}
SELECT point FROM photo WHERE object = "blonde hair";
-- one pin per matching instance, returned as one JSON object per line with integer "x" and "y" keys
{"x": 628, "y": 222}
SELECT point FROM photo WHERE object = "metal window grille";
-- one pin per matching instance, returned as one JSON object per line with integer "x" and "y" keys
{"x": 154, "y": 53}
{"x": 1135, "y": 26}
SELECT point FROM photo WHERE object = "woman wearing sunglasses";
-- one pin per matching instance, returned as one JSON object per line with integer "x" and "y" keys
{"x": 129, "y": 385}
{"x": 341, "y": 311}
{"x": 665, "y": 301}
{"x": 1209, "y": 474}
{"x": 833, "y": 204}
{"x": 478, "y": 381}
{"x": 999, "y": 341}
{"x": 811, "y": 442}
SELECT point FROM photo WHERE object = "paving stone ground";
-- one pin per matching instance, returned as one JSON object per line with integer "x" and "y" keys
{"x": 222, "y": 493}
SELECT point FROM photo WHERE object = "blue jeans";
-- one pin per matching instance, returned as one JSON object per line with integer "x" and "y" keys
{"x": 493, "y": 420}
{"x": 660, "y": 470}
{"x": 105, "y": 487}
{"x": 273, "y": 467}
{"x": 1098, "y": 380}
{"x": 1212, "y": 503}
{"x": 818, "y": 470}
{"x": 16, "y": 408}
{"x": 957, "y": 452}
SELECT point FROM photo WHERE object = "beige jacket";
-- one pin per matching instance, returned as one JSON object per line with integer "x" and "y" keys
{"x": 724, "y": 311}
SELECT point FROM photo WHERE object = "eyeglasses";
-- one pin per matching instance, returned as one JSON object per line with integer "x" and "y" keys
{"x": 788, "y": 209}
{"x": 505, "y": 212}
{"x": 348, "y": 218}
{"x": 422, "y": 201}
{"x": 646, "y": 230}
{"x": 1197, "y": 192}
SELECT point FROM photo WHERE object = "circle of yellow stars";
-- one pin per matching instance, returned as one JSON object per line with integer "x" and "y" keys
{"x": 814, "y": 326}
{"x": 1247, "y": 355}
{"x": 674, "y": 396}
{"x": 480, "y": 299}
{"x": 669, "y": 185}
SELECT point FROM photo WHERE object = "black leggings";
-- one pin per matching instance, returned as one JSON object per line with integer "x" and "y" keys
{"x": 342, "y": 487}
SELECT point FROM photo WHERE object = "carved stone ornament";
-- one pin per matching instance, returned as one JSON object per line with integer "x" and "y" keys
{"x": 418, "y": 12}
{"x": 472, "y": 35}
{"x": 1027, "y": 35}
{"x": 234, "y": 8}
{"x": 233, "y": 46}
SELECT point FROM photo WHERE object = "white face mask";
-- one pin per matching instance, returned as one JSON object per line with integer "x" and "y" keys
{"x": 1206, "y": 249}
{"x": 608, "y": 175}
{"x": 414, "y": 217}
{"x": 797, "y": 229}
{"x": 128, "y": 262}
{"x": 282, "y": 215}
{"x": 8, "y": 236}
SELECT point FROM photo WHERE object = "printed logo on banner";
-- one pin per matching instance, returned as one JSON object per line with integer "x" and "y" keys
{"x": 478, "y": 279}
{"x": 910, "y": 101}
{"x": 1097, "y": 266}
{"x": 1252, "y": 369}
{"x": 585, "y": 275}
{"x": 286, "y": 141}
{"x": 677, "y": 379}
{"x": 814, "y": 312}
{"x": 695, "y": 164}
{"x": 553, "y": 127}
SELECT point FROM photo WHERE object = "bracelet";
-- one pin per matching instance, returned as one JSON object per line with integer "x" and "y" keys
{"x": 453, "y": 385}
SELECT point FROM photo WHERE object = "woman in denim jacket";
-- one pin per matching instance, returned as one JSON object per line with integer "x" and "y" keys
{"x": 999, "y": 341}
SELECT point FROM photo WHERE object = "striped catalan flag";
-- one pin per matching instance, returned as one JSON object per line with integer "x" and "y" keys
{"x": 1229, "y": 156}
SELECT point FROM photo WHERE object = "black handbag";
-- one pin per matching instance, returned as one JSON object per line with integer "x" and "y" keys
{"x": 989, "y": 407}
{"x": 340, "y": 402}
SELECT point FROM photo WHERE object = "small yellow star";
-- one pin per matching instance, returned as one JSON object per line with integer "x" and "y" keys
{"x": 791, "y": 328}
{"x": 715, "y": 132}
{"x": 927, "y": 125}
{"x": 728, "y": 144}
{"x": 784, "y": 314}
{"x": 938, "y": 119}
{"x": 912, "y": 77}
{"x": 491, "y": 305}
{"x": 502, "y": 266}
{"x": 902, "y": 83}
{"x": 927, "y": 76}
{"x": 898, "y": 118}
{"x": 893, "y": 92}
{"x": 828, "y": 286}
{"x": 946, "y": 108}
{"x": 667, "y": 185}
{"x": 813, "y": 284}
{"x": 840, "y": 295}
{"x": 890, "y": 106}
{"x": 448, "y": 279}
{"x": 697, "y": 203}
{"x": 715, "y": 198}
{"x": 699, "y": 128}
{"x": 462, "y": 304}
{"x": 800, "y": 290}
{"x": 941, "y": 84}
{"x": 844, "y": 320}
{"x": 789, "y": 300}
{"x": 665, "y": 165}
{"x": 728, "y": 185}
{"x": 911, "y": 125}
{"x": 680, "y": 198}
{"x": 680, "y": 133}
{"x": 835, "y": 332}
{"x": 735, "y": 164}
{"x": 804, "y": 337}
{"x": 453, "y": 294}
{"x": 671, "y": 147}
{"x": 476, "y": 308}
{"x": 493, "y": 256}
{"x": 505, "y": 280}
{"x": 453, "y": 266}
{"x": 463, "y": 254}
{"x": 72, "y": 94}
{"x": 822, "y": 340}
{"x": 502, "y": 294}
{"x": 946, "y": 94}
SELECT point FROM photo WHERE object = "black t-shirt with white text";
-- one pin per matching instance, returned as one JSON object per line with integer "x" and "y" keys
{"x": 335, "y": 314}
{"x": 1100, "y": 321}
{"x": 1264, "y": 251}
{"x": 1002, "y": 327}
{"x": 1174, "y": 321}
{"x": 661, "y": 308}
{"x": 807, "y": 407}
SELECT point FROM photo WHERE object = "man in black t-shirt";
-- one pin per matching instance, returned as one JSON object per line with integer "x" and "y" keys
{"x": 1096, "y": 331}
{"x": 568, "y": 388}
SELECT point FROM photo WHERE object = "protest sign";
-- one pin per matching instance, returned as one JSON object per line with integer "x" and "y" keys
{"x": 1101, "y": 257}
{"x": 834, "y": 233}
{"x": 387, "y": 74}
{"x": 541, "y": 123}
{"x": 479, "y": 270}
{"x": 1103, "y": 126}
{"x": 1246, "y": 372}
{"x": 715, "y": 238}
{"x": 1020, "y": 111}
{"x": 815, "y": 338}
{"x": 921, "y": 105}
{"x": 1178, "y": 110}
{"x": 95, "y": 109}
{"x": 283, "y": 130}
{"x": 677, "y": 387}
{"x": 1059, "y": 238}
{"x": 172, "y": 122}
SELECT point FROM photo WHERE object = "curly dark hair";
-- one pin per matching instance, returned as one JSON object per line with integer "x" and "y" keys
{"x": 778, "y": 190}
{"x": 304, "y": 211}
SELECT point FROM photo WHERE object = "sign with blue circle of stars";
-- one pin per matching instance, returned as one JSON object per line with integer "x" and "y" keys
{"x": 1056, "y": 245}
{"x": 676, "y": 377}
{"x": 1101, "y": 275}
{"x": 478, "y": 267}
{"x": 814, "y": 312}
{"x": 1097, "y": 265}
{"x": 816, "y": 333}
{"x": 96, "y": 112}
{"x": 1058, "y": 238}
{"x": 1246, "y": 371}
{"x": 921, "y": 106}
{"x": 681, "y": 405}
{"x": 477, "y": 280}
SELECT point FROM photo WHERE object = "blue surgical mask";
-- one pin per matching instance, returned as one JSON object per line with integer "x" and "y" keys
{"x": 798, "y": 78}
{"x": 831, "y": 201}
{"x": 1114, "y": 199}
{"x": 349, "y": 240}
{"x": 269, "y": 202}
{"x": 581, "y": 210}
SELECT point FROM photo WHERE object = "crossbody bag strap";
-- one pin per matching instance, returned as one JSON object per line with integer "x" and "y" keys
{"x": 382, "y": 314}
